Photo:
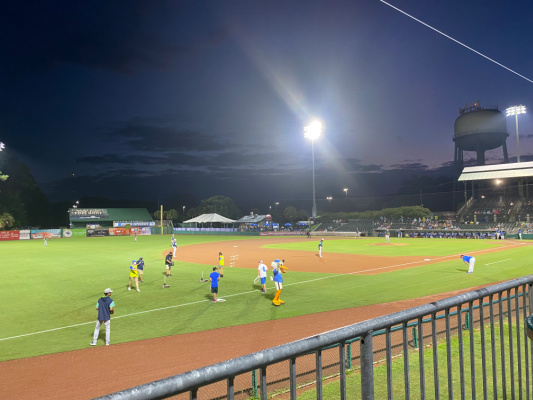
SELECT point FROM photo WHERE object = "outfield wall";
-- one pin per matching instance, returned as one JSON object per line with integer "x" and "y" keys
{"x": 40, "y": 234}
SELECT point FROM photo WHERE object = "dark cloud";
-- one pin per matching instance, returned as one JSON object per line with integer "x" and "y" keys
{"x": 411, "y": 166}
{"x": 148, "y": 136}
{"x": 115, "y": 35}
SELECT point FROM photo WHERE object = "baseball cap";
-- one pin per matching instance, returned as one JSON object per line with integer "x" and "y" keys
{"x": 140, "y": 258}
{"x": 134, "y": 261}
{"x": 260, "y": 261}
{"x": 108, "y": 290}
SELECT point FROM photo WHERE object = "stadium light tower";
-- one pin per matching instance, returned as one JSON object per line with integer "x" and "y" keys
{"x": 515, "y": 110}
{"x": 2, "y": 146}
{"x": 313, "y": 132}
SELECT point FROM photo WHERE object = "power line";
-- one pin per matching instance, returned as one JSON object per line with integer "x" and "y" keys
{"x": 458, "y": 42}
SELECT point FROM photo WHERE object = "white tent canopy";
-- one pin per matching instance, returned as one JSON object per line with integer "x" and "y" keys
{"x": 209, "y": 218}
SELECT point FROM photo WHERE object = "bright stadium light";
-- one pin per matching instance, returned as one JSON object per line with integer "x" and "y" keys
{"x": 313, "y": 132}
{"x": 515, "y": 110}
{"x": 2, "y": 146}
{"x": 329, "y": 198}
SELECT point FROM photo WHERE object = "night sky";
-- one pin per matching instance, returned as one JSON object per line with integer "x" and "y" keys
{"x": 146, "y": 99}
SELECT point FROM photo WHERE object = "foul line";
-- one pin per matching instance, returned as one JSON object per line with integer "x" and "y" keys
{"x": 496, "y": 262}
{"x": 248, "y": 292}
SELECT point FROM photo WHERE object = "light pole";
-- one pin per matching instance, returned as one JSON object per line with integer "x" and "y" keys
{"x": 346, "y": 192}
{"x": 329, "y": 198}
{"x": 313, "y": 131}
{"x": 276, "y": 205}
{"x": 270, "y": 209}
{"x": 515, "y": 110}
{"x": 184, "y": 213}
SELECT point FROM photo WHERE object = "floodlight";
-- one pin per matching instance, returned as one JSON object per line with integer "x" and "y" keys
{"x": 515, "y": 110}
{"x": 313, "y": 130}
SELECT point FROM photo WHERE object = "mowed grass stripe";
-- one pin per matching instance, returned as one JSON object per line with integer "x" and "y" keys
{"x": 398, "y": 247}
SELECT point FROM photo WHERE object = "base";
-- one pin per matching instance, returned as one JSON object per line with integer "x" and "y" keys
{"x": 165, "y": 286}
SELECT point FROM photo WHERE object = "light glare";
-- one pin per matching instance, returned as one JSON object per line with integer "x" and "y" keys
{"x": 516, "y": 110}
{"x": 313, "y": 130}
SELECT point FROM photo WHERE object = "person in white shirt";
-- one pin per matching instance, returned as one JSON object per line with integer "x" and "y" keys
{"x": 262, "y": 272}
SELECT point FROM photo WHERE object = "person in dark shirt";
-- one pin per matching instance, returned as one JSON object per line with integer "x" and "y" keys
{"x": 105, "y": 307}
{"x": 168, "y": 263}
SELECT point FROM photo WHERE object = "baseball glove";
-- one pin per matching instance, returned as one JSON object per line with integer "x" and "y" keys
{"x": 112, "y": 311}
{"x": 172, "y": 264}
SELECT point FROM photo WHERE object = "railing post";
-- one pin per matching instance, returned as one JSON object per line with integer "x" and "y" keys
{"x": 254, "y": 384}
{"x": 415, "y": 339}
{"x": 349, "y": 356}
{"x": 367, "y": 367}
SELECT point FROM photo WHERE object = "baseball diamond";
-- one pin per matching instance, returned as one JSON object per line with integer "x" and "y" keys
{"x": 351, "y": 273}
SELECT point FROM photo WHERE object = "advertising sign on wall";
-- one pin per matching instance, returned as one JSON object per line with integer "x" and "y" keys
{"x": 141, "y": 231}
{"x": 68, "y": 233}
{"x": 118, "y": 232}
{"x": 88, "y": 213}
{"x": 9, "y": 235}
{"x": 281, "y": 233}
{"x": 25, "y": 234}
{"x": 97, "y": 232}
{"x": 48, "y": 233}
{"x": 134, "y": 223}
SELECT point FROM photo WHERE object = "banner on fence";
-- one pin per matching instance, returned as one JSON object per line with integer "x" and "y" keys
{"x": 25, "y": 234}
{"x": 97, "y": 232}
{"x": 68, "y": 233}
{"x": 288, "y": 233}
{"x": 141, "y": 231}
{"x": 9, "y": 235}
{"x": 134, "y": 223}
{"x": 118, "y": 232}
{"x": 45, "y": 233}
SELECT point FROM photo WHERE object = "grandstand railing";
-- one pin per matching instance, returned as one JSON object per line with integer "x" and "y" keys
{"x": 475, "y": 342}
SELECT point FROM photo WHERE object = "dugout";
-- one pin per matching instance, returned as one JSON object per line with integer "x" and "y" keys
{"x": 110, "y": 217}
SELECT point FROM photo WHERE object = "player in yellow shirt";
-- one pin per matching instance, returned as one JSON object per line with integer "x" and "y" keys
{"x": 221, "y": 264}
{"x": 134, "y": 275}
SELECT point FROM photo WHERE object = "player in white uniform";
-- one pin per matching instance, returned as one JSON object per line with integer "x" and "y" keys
{"x": 174, "y": 246}
{"x": 262, "y": 272}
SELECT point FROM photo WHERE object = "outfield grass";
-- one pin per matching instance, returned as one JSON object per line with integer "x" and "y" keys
{"x": 54, "y": 290}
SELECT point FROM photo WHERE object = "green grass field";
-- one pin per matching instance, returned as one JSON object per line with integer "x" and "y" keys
{"x": 49, "y": 294}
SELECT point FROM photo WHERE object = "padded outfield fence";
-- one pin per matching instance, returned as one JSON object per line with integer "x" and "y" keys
{"x": 474, "y": 345}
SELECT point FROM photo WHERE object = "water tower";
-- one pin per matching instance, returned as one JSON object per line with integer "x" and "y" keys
{"x": 479, "y": 129}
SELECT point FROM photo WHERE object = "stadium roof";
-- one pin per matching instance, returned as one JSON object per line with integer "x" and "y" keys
{"x": 248, "y": 219}
{"x": 206, "y": 218}
{"x": 497, "y": 171}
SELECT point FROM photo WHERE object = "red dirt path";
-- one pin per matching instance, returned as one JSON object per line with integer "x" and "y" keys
{"x": 93, "y": 372}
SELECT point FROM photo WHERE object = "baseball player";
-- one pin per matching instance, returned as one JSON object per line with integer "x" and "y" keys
{"x": 174, "y": 246}
{"x": 214, "y": 277}
{"x": 134, "y": 275}
{"x": 262, "y": 272}
{"x": 168, "y": 263}
{"x": 320, "y": 247}
{"x": 221, "y": 264}
{"x": 278, "y": 269}
{"x": 470, "y": 261}
{"x": 105, "y": 307}
{"x": 387, "y": 235}
{"x": 140, "y": 268}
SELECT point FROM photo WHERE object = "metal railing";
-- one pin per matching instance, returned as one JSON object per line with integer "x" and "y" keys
{"x": 487, "y": 353}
